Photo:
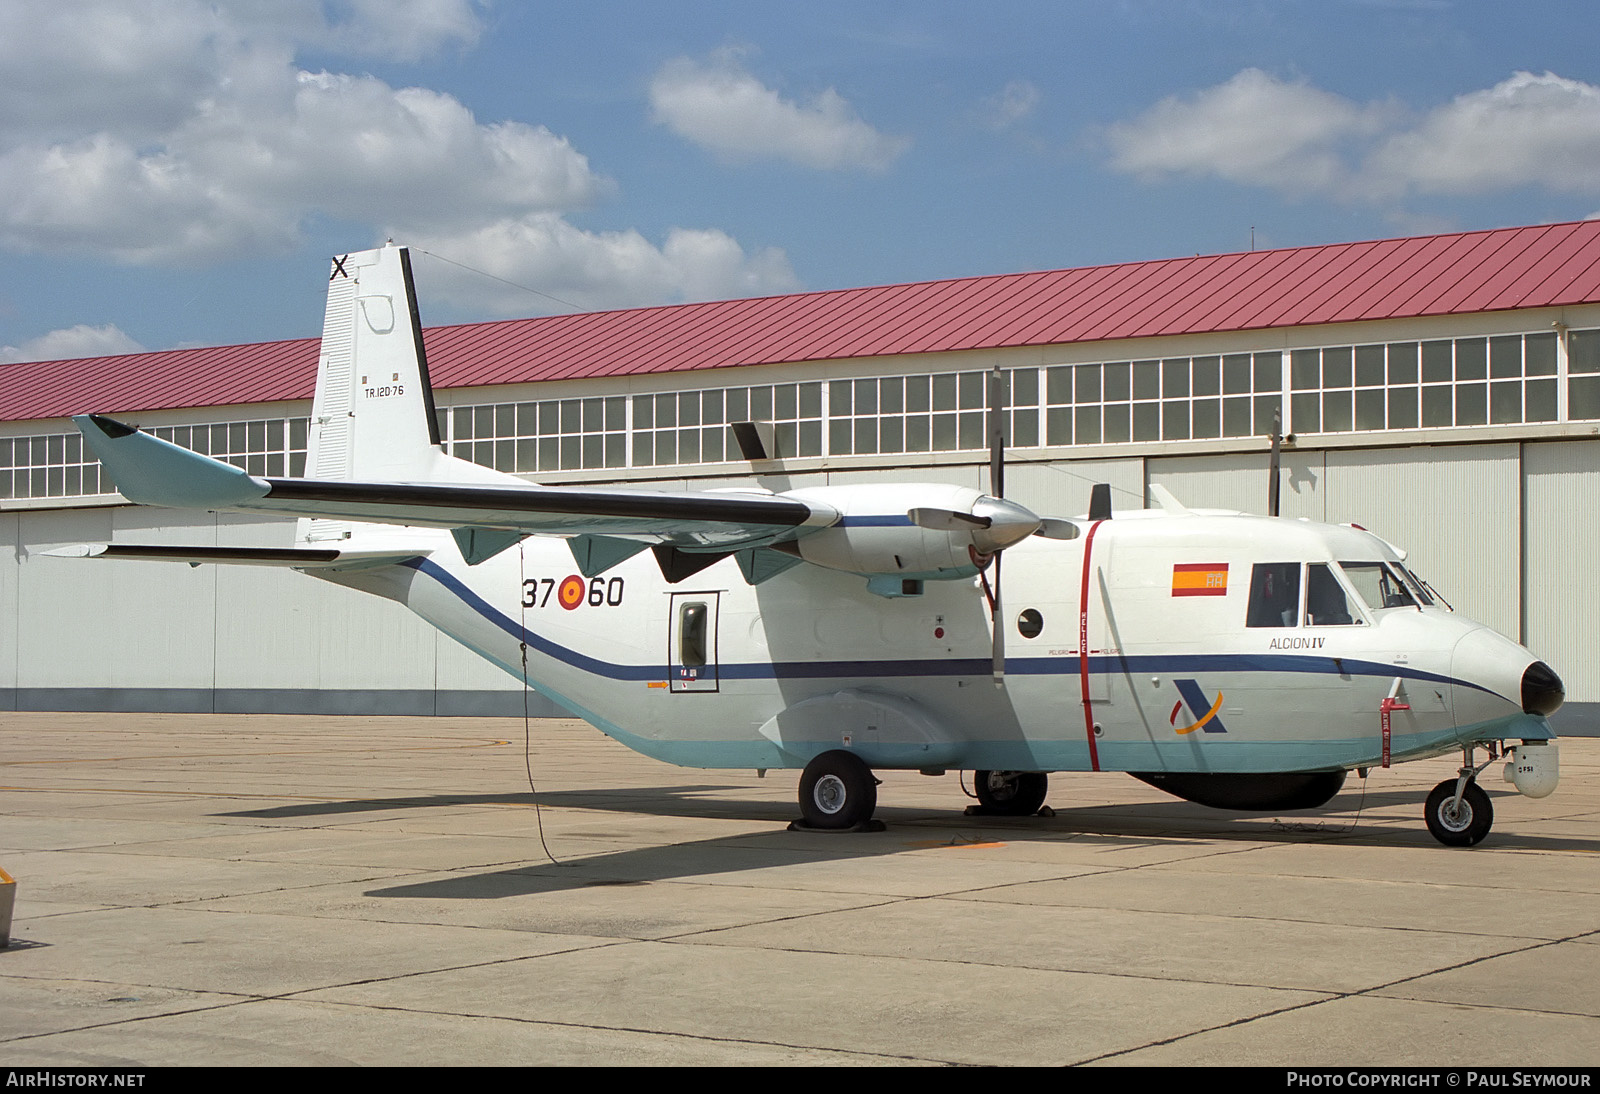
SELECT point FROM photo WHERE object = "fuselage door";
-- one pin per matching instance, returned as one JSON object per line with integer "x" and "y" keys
{"x": 692, "y": 637}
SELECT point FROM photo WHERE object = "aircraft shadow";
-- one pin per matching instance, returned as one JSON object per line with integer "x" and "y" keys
{"x": 1175, "y": 824}
{"x": 655, "y": 800}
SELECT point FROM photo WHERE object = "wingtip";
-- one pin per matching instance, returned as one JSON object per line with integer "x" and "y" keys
{"x": 108, "y": 426}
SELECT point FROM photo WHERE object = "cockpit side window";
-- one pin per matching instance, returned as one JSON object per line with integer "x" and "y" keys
{"x": 1274, "y": 594}
{"x": 1378, "y": 585}
{"x": 1418, "y": 586}
{"x": 1326, "y": 603}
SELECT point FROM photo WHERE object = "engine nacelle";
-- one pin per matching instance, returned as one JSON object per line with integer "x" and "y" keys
{"x": 874, "y": 535}
{"x": 1535, "y": 768}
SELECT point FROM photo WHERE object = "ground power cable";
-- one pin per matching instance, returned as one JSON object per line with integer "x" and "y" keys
{"x": 527, "y": 690}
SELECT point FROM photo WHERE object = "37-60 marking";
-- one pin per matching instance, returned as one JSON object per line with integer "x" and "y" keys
{"x": 572, "y": 592}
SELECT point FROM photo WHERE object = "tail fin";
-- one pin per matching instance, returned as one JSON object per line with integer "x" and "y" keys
{"x": 373, "y": 417}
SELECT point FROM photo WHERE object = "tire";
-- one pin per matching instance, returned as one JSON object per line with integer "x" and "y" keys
{"x": 837, "y": 790}
{"x": 1011, "y": 793}
{"x": 1465, "y": 827}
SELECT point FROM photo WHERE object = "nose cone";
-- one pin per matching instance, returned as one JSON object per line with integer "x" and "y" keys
{"x": 1495, "y": 677}
{"x": 1542, "y": 692}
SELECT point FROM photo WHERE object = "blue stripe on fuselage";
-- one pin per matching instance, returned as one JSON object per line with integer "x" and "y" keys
{"x": 1187, "y": 663}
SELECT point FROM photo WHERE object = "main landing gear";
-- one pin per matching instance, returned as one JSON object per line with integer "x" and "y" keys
{"x": 1458, "y": 812}
{"x": 837, "y": 791}
{"x": 1010, "y": 793}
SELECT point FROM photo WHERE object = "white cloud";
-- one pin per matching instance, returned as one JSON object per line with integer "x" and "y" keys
{"x": 1253, "y": 129}
{"x": 404, "y": 30}
{"x": 183, "y": 133}
{"x": 1014, "y": 102}
{"x": 722, "y": 107}
{"x": 589, "y": 269}
{"x": 1527, "y": 130}
{"x": 72, "y": 342}
{"x": 244, "y": 171}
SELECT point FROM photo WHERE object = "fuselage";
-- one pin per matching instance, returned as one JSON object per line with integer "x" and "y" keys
{"x": 1154, "y": 642}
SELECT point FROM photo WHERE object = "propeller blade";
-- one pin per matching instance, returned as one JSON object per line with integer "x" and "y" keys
{"x": 999, "y": 629}
{"x": 997, "y": 488}
{"x": 947, "y": 520}
{"x": 997, "y": 436}
{"x": 1056, "y": 528}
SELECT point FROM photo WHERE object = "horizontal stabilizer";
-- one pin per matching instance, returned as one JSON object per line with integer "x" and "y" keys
{"x": 299, "y": 558}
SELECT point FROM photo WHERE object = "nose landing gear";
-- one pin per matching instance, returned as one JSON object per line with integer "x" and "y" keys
{"x": 1458, "y": 812}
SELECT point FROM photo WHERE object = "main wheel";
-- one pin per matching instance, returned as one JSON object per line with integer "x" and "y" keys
{"x": 1011, "y": 793}
{"x": 1464, "y": 825}
{"x": 837, "y": 790}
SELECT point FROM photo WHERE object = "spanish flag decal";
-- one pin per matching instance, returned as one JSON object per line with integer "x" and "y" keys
{"x": 1200, "y": 579}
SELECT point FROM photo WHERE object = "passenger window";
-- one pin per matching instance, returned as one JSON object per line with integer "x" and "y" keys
{"x": 1274, "y": 594}
{"x": 1326, "y": 604}
{"x": 692, "y": 635}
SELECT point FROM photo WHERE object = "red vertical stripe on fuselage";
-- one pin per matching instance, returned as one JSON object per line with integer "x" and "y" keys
{"x": 1083, "y": 649}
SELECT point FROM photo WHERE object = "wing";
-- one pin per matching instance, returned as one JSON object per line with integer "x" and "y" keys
{"x": 151, "y": 471}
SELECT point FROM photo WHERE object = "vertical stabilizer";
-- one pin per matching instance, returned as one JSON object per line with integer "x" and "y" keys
{"x": 372, "y": 419}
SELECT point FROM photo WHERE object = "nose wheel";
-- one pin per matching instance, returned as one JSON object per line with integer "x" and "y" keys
{"x": 1459, "y": 821}
{"x": 1458, "y": 811}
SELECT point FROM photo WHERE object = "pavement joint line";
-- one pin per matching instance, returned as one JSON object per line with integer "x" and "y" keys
{"x": 445, "y": 745}
{"x": 1296, "y": 922}
{"x": 673, "y": 1034}
{"x": 1341, "y": 996}
{"x": 245, "y": 999}
{"x": 1046, "y": 969}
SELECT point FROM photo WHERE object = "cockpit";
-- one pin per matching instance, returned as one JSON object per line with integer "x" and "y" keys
{"x": 1336, "y": 594}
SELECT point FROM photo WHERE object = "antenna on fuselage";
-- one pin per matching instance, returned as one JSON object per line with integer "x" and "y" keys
{"x": 1100, "y": 501}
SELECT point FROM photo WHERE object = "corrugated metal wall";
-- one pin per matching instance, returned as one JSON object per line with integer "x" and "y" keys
{"x": 1562, "y": 612}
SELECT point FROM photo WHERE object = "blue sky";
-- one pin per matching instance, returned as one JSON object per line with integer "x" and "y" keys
{"x": 177, "y": 172}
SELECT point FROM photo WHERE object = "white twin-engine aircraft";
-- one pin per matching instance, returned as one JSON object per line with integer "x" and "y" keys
{"x": 1237, "y": 661}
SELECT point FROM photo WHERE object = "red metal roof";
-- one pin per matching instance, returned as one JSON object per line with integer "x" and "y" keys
{"x": 1539, "y": 266}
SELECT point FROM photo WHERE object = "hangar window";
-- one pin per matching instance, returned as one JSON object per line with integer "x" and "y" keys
{"x": 942, "y": 412}
{"x": 548, "y": 435}
{"x": 1583, "y": 363}
{"x": 687, "y": 427}
{"x": 1171, "y": 399}
{"x": 1501, "y": 380}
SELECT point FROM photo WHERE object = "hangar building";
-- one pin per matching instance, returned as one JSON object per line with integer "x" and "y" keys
{"x": 1442, "y": 391}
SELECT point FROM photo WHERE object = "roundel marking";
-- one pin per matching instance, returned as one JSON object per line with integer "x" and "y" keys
{"x": 571, "y": 592}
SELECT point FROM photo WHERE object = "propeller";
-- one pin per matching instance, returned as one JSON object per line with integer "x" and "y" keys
{"x": 994, "y": 523}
